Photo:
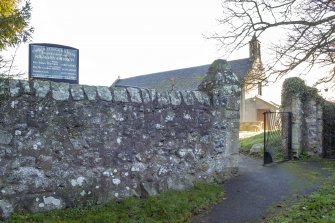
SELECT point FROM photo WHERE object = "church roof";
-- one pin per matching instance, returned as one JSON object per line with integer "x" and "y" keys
{"x": 183, "y": 79}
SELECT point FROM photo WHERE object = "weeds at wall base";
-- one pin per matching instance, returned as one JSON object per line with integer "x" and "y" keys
{"x": 170, "y": 206}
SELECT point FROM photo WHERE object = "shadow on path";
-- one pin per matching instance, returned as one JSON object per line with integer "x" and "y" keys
{"x": 249, "y": 195}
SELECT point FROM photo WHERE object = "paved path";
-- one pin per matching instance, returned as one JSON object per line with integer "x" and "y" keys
{"x": 249, "y": 195}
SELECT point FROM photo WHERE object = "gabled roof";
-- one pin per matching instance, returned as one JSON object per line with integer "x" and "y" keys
{"x": 271, "y": 103}
{"x": 184, "y": 79}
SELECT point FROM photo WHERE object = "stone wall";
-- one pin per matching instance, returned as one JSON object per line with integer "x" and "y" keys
{"x": 308, "y": 117}
{"x": 67, "y": 145}
{"x": 329, "y": 130}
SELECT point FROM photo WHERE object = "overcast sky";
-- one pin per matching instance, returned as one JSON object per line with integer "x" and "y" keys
{"x": 129, "y": 37}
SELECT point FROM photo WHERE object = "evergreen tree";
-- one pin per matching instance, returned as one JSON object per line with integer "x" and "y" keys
{"x": 14, "y": 23}
{"x": 14, "y": 30}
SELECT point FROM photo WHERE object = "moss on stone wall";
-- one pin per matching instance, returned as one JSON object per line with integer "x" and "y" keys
{"x": 296, "y": 87}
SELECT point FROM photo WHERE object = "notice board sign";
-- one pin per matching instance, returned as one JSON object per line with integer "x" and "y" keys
{"x": 54, "y": 62}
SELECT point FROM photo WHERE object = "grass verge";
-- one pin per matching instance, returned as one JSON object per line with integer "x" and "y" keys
{"x": 274, "y": 145}
{"x": 316, "y": 207}
{"x": 246, "y": 144}
{"x": 169, "y": 206}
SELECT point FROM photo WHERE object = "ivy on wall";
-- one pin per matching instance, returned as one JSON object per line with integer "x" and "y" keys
{"x": 296, "y": 87}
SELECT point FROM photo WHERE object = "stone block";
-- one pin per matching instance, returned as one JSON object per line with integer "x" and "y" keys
{"x": 219, "y": 98}
{"x": 44, "y": 162}
{"x": 5, "y": 137}
{"x": 175, "y": 182}
{"x": 220, "y": 142}
{"x": 50, "y": 203}
{"x": 153, "y": 94}
{"x": 233, "y": 103}
{"x": 182, "y": 153}
{"x": 91, "y": 92}
{"x": 188, "y": 97}
{"x": 169, "y": 117}
{"x": 104, "y": 93}
{"x": 234, "y": 90}
{"x": 216, "y": 100}
{"x": 232, "y": 114}
{"x": 296, "y": 138}
{"x": 163, "y": 98}
{"x": 257, "y": 148}
{"x": 228, "y": 90}
{"x": 14, "y": 87}
{"x": 77, "y": 92}
{"x": 120, "y": 94}
{"x": 42, "y": 88}
{"x": 2, "y": 86}
{"x": 60, "y": 91}
{"x": 25, "y": 86}
{"x": 231, "y": 79}
{"x": 319, "y": 112}
{"x": 175, "y": 98}
{"x": 135, "y": 95}
{"x": 6, "y": 209}
{"x": 202, "y": 97}
{"x": 149, "y": 189}
{"x": 146, "y": 96}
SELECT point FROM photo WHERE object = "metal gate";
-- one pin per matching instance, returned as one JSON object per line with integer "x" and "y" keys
{"x": 277, "y": 136}
{"x": 329, "y": 138}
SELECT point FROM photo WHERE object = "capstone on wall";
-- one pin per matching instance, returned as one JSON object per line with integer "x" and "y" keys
{"x": 67, "y": 145}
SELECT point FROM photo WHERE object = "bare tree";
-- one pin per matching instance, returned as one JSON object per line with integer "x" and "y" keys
{"x": 307, "y": 26}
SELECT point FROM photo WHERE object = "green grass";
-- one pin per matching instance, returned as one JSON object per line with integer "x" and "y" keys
{"x": 169, "y": 206}
{"x": 274, "y": 145}
{"x": 246, "y": 143}
{"x": 316, "y": 207}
